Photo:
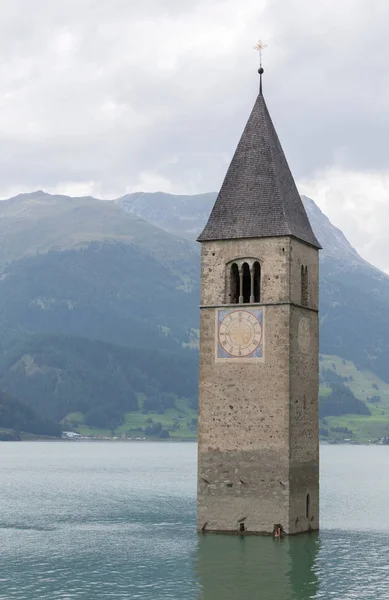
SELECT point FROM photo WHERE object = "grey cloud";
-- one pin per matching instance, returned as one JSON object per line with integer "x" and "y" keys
{"x": 85, "y": 97}
{"x": 334, "y": 78}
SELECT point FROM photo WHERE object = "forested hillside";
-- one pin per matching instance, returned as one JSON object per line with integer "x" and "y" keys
{"x": 108, "y": 291}
{"x": 354, "y": 295}
{"x": 99, "y": 316}
{"x": 58, "y": 374}
{"x": 16, "y": 417}
{"x": 78, "y": 272}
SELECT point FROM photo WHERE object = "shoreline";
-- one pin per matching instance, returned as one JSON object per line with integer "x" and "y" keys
{"x": 171, "y": 440}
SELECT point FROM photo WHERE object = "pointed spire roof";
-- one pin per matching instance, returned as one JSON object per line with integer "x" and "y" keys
{"x": 258, "y": 197}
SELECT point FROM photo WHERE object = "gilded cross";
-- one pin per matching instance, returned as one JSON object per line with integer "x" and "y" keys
{"x": 259, "y": 46}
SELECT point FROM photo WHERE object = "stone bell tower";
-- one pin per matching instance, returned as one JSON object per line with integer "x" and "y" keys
{"x": 258, "y": 455}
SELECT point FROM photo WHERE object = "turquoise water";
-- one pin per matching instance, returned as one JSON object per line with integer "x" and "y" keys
{"x": 117, "y": 520}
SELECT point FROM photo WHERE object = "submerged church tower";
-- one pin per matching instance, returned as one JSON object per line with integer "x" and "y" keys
{"x": 258, "y": 456}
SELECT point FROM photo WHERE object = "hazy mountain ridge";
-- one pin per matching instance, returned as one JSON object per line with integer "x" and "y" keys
{"x": 183, "y": 215}
{"x": 110, "y": 291}
{"x": 354, "y": 297}
{"x": 187, "y": 215}
{"x": 37, "y": 223}
{"x": 79, "y": 267}
{"x": 83, "y": 271}
{"x": 333, "y": 241}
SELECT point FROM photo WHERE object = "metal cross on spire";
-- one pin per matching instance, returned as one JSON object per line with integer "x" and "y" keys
{"x": 259, "y": 46}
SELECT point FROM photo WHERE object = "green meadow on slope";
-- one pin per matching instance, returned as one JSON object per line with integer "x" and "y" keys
{"x": 177, "y": 423}
{"x": 367, "y": 387}
{"x": 180, "y": 420}
{"x": 58, "y": 375}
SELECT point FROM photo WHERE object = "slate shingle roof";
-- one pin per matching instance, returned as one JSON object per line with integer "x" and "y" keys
{"x": 258, "y": 197}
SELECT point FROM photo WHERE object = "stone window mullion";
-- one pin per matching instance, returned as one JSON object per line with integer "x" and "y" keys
{"x": 241, "y": 284}
{"x": 252, "y": 273}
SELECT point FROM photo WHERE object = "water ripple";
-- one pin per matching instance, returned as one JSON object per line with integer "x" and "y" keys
{"x": 118, "y": 521}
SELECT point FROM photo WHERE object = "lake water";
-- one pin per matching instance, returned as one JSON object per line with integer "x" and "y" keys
{"x": 99, "y": 521}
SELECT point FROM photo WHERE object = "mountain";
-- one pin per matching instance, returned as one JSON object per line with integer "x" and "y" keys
{"x": 186, "y": 216}
{"x": 354, "y": 301}
{"x": 108, "y": 291}
{"x": 99, "y": 314}
{"x": 182, "y": 215}
{"x": 37, "y": 223}
{"x": 74, "y": 271}
{"x": 333, "y": 241}
{"x": 82, "y": 267}
{"x": 354, "y": 295}
{"x": 58, "y": 375}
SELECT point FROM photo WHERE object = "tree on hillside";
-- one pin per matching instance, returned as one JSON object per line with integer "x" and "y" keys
{"x": 341, "y": 401}
{"x": 15, "y": 415}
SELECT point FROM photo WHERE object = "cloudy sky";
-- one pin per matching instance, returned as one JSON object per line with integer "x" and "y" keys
{"x": 105, "y": 97}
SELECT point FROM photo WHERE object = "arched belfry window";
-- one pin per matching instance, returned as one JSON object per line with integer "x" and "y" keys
{"x": 243, "y": 281}
{"x": 256, "y": 282}
{"x": 234, "y": 284}
{"x": 246, "y": 283}
{"x": 304, "y": 285}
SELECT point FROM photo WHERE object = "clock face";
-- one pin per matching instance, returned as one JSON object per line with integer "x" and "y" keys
{"x": 240, "y": 333}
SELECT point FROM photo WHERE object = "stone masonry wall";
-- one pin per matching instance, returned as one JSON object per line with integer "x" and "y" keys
{"x": 244, "y": 431}
{"x": 272, "y": 253}
{"x": 303, "y": 255}
{"x": 257, "y": 449}
{"x": 304, "y": 391}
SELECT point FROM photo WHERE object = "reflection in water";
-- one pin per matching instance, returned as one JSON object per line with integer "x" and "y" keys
{"x": 256, "y": 568}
